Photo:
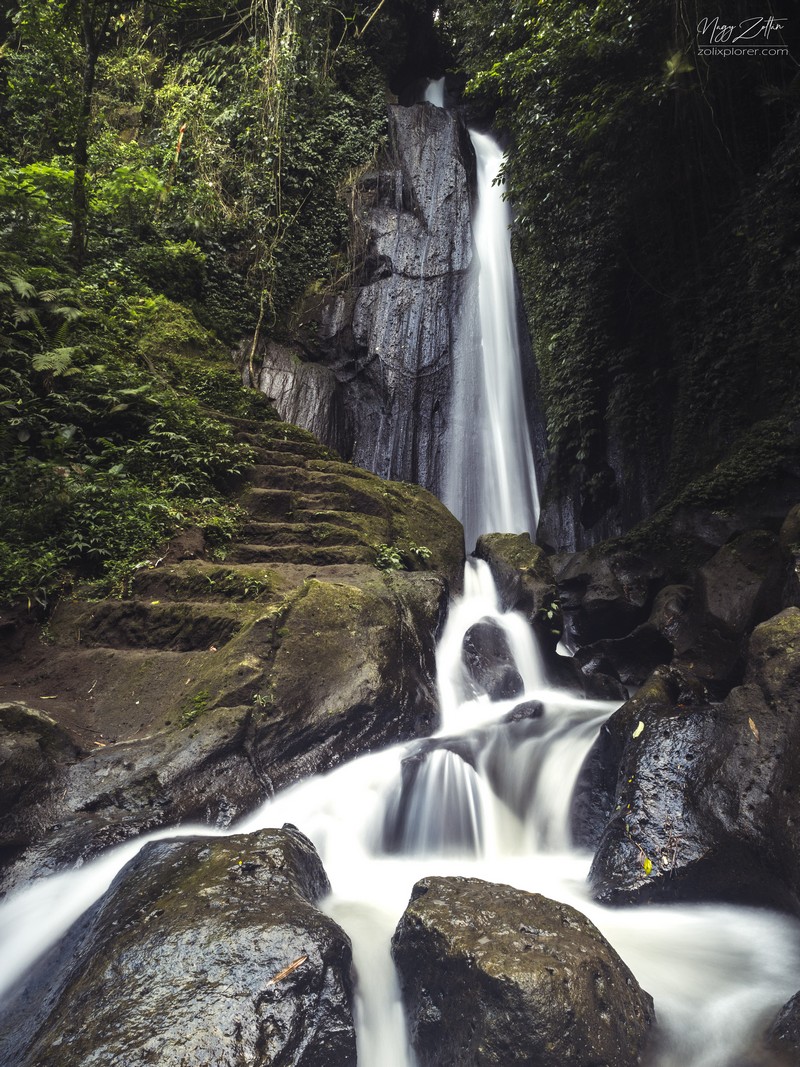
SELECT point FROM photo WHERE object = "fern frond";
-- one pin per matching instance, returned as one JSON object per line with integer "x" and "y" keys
{"x": 56, "y": 361}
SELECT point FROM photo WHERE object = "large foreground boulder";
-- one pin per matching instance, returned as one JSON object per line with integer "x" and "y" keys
{"x": 706, "y": 800}
{"x": 495, "y": 976}
{"x": 205, "y": 951}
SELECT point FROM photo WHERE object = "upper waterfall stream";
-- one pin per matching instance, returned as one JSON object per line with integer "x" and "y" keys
{"x": 715, "y": 972}
{"x": 491, "y": 480}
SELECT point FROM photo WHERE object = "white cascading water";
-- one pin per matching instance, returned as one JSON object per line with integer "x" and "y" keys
{"x": 490, "y": 481}
{"x": 490, "y": 798}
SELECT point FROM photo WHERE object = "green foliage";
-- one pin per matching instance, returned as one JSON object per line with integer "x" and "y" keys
{"x": 101, "y": 461}
{"x": 219, "y": 141}
{"x": 395, "y": 558}
{"x": 389, "y": 558}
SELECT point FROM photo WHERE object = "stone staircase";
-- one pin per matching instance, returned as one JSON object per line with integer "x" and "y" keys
{"x": 200, "y": 629}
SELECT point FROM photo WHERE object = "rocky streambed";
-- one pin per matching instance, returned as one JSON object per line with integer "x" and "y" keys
{"x": 216, "y": 683}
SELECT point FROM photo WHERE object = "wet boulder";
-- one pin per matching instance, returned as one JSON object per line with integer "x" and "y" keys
{"x": 703, "y": 626}
{"x": 605, "y": 594}
{"x": 34, "y": 749}
{"x": 341, "y": 666}
{"x": 495, "y": 976}
{"x": 203, "y": 951}
{"x": 706, "y": 801}
{"x": 783, "y": 1034}
{"x": 489, "y": 661}
{"x": 611, "y": 666}
{"x": 595, "y": 797}
{"x": 522, "y": 573}
{"x": 524, "y": 712}
{"x": 790, "y": 543}
{"x": 740, "y": 586}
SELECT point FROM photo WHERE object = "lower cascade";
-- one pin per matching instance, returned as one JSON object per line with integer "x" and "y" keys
{"x": 489, "y": 799}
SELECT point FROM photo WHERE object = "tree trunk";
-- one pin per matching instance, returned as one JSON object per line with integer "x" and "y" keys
{"x": 80, "y": 156}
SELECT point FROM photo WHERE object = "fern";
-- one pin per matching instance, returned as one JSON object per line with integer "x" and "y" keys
{"x": 57, "y": 361}
{"x": 21, "y": 287}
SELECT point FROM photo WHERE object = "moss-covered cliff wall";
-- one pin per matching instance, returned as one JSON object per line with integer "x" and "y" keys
{"x": 656, "y": 238}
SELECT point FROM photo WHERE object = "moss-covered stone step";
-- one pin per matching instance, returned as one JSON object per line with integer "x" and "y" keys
{"x": 268, "y": 503}
{"x": 282, "y": 432}
{"x": 372, "y": 526}
{"x": 199, "y": 580}
{"x": 262, "y": 475}
{"x": 287, "y": 477}
{"x": 280, "y": 533}
{"x": 269, "y": 457}
{"x": 314, "y": 489}
{"x": 301, "y": 553}
{"x": 174, "y": 626}
{"x": 335, "y": 503}
{"x": 338, "y": 466}
{"x": 309, "y": 449}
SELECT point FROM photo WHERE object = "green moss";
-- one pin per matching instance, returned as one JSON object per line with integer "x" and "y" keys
{"x": 194, "y": 707}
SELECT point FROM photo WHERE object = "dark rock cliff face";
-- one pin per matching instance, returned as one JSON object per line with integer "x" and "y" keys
{"x": 202, "y": 951}
{"x": 375, "y": 384}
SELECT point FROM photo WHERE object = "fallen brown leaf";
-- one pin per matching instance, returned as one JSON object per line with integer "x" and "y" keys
{"x": 287, "y": 970}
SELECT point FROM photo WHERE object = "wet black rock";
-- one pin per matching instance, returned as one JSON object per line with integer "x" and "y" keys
{"x": 783, "y": 1035}
{"x": 495, "y": 976}
{"x": 740, "y": 586}
{"x": 705, "y": 799}
{"x": 489, "y": 661}
{"x": 595, "y": 796}
{"x": 529, "y": 709}
{"x": 33, "y": 751}
{"x": 605, "y": 594}
{"x": 203, "y": 951}
{"x": 354, "y": 669}
{"x": 522, "y": 574}
{"x": 790, "y": 543}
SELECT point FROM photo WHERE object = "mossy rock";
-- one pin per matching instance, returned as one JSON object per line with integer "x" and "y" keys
{"x": 162, "y": 968}
{"x": 521, "y": 570}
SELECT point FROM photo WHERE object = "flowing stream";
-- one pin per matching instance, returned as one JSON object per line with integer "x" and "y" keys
{"x": 489, "y": 798}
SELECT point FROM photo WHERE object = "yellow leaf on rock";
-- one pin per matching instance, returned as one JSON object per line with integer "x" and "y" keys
{"x": 638, "y": 729}
{"x": 754, "y": 729}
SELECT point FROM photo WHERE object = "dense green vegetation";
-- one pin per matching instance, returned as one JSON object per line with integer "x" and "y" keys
{"x": 656, "y": 231}
{"x": 172, "y": 178}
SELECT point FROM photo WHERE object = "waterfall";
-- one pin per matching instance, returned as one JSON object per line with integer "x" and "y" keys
{"x": 491, "y": 480}
{"x": 489, "y": 795}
